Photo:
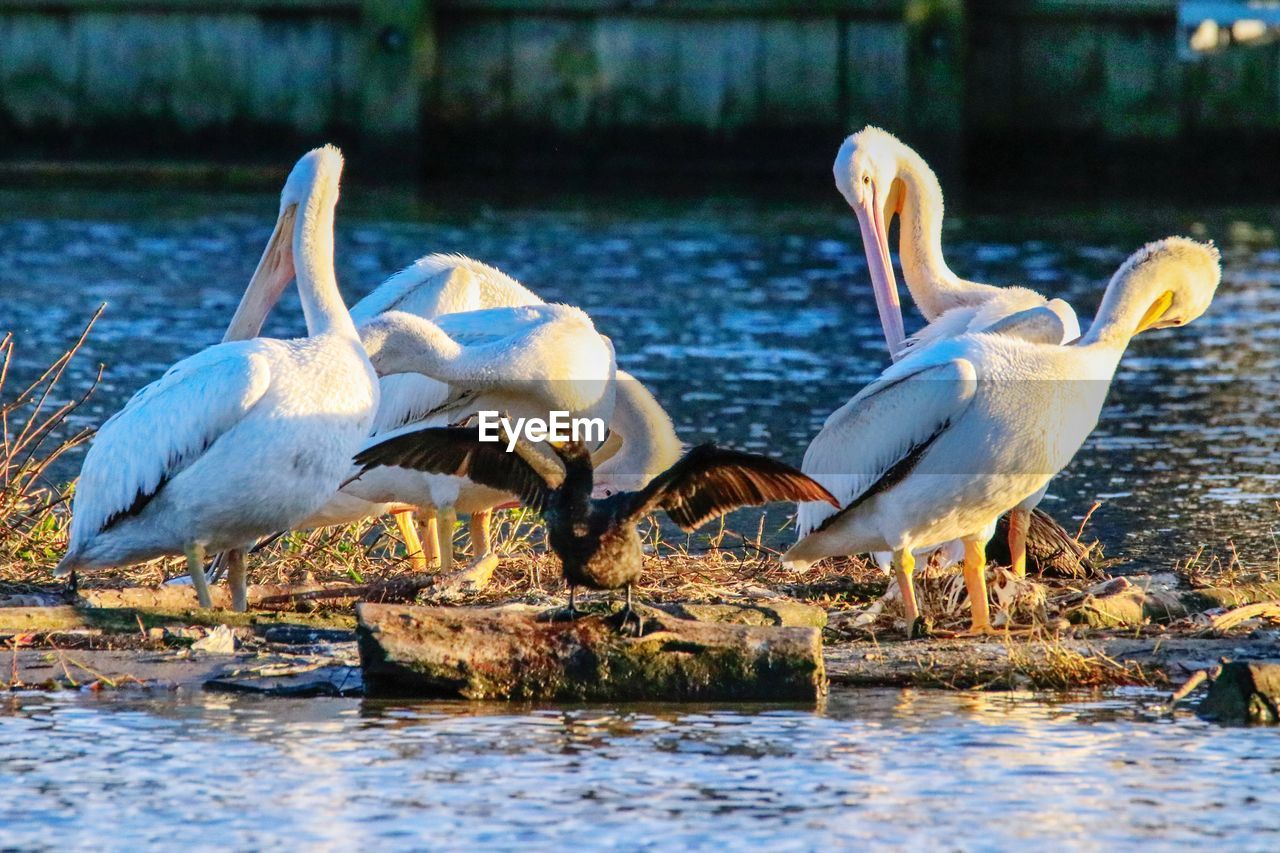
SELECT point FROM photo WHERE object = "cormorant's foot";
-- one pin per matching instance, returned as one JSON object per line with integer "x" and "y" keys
{"x": 919, "y": 629}
{"x": 627, "y": 621}
{"x": 562, "y": 614}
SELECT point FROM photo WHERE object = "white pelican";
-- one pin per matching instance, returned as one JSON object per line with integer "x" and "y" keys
{"x": 641, "y": 433}
{"x": 880, "y": 177}
{"x": 525, "y": 361}
{"x": 247, "y": 437}
{"x": 955, "y": 435}
{"x": 433, "y": 285}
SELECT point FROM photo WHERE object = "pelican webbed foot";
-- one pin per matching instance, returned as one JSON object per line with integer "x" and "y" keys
{"x": 474, "y": 578}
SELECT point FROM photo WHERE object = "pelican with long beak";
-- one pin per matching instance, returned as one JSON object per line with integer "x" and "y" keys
{"x": 247, "y": 437}
{"x": 947, "y": 440}
{"x": 525, "y": 362}
{"x": 881, "y": 178}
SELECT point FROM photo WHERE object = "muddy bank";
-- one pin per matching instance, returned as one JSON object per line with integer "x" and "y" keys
{"x": 303, "y": 638}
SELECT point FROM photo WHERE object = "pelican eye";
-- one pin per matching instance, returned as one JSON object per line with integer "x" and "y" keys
{"x": 866, "y": 179}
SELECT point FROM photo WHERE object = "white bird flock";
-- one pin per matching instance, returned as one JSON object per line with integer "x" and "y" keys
{"x": 254, "y": 436}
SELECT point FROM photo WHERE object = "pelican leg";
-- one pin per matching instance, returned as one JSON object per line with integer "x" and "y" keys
{"x": 905, "y": 566}
{"x": 477, "y": 575}
{"x": 429, "y": 535}
{"x": 975, "y": 581}
{"x": 412, "y": 544}
{"x": 446, "y": 521}
{"x": 1019, "y": 523}
{"x": 479, "y": 528}
{"x": 195, "y": 567}
{"x": 238, "y": 580}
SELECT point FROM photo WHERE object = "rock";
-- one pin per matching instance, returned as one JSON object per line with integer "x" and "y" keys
{"x": 1130, "y": 606}
{"x": 302, "y": 681}
{"x": 1243, "y": 693}
{"x": 221, "y": 641}
{"x": 487, "y": 653}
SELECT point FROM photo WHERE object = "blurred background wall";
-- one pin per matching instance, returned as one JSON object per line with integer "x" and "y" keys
{"x": 1016, "y": 91}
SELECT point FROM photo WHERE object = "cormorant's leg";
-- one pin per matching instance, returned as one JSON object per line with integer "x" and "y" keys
{"x": 904, "y": 567}
{"x": 73, "y": 583}
{"x": 412, "y": 544}
{"x": 975, "y": 581}
{"x": 1019, "y": 524}
{"x": 195, "y": 567}
{"x": 238, "y": 580}
{"x": 573, "y": 604}
{"x": 628, "y": 613}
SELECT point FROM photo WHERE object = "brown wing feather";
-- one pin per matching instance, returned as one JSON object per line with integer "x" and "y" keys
{"x": 460, "y": 452}
{"x": 711, "y": 481}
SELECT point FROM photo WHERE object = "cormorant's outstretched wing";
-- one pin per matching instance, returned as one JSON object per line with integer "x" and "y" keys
{"x": 524, "y": 472}
{"x": 710, "y": 481}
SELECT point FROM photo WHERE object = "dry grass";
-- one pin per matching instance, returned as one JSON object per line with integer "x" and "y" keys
{"x": 34, "y": 514}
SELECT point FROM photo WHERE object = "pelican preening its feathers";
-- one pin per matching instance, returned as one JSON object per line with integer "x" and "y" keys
{"x": 951, "y": 437}
{"x": 243, "y": 439}
{"x": 880, "y": 178}
{"x": 371, "y": 412}
{"x": 527, "y": 361}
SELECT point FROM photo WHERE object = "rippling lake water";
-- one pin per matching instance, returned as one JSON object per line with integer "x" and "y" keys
{"x": 905, "y": 769}
{"x": 751, "y": 320}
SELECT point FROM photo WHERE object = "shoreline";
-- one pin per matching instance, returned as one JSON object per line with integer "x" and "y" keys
{"x": 309, "y": 648}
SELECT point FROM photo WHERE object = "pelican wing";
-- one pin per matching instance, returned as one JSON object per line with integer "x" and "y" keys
{"x": 1040, "y": 325}
{"x": 874, "y": 439}
{"x": 1051, "y": 323}
{"x": 407, "y": 398}
{"x": 952, "y": 323}
{"x": 1015, "y": 312}
{"x": 163, "y": 429}
{"x": 443, "y": 284}
{"x": 711, "y": 481}
{"x": 459, "y": 451}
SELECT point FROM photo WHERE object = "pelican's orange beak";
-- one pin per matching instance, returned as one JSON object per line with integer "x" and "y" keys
{"x": 275, "y": 271}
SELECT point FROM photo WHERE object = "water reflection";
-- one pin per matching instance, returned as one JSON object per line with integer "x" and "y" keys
{"x": 885, "y": 767}
{"x": 749, "y": 322}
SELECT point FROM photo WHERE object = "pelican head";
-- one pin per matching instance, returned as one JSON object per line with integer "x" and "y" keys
{"x": 868, "y": 174}
{"x": 313, "y": 187}
{"x": 1164, "y": 284}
